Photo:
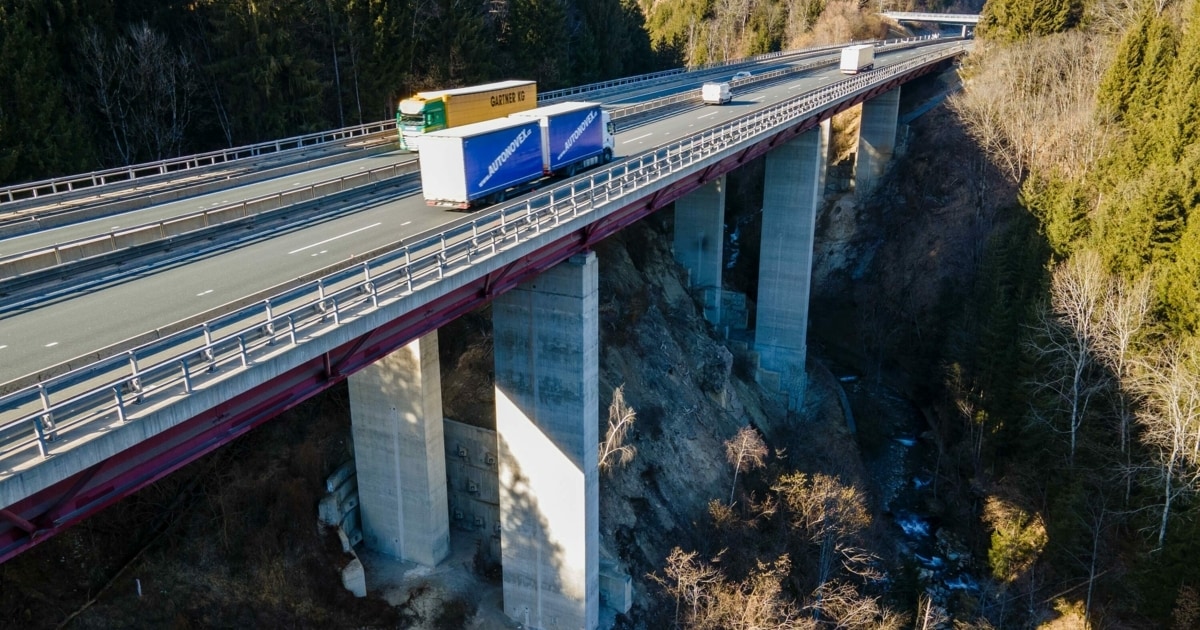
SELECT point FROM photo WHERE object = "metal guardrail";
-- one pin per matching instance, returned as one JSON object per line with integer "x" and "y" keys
{"x": 694, "y": 95}
{"x": 95, "y": 179}
{"x": 177, "y": 364}
{"x": 605, "y": 87}
{"x": 70, "y": 251}
{"x": 555, "y": 95}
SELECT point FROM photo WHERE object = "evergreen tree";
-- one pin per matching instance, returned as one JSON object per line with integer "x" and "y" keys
{"x": 1013, "y": 20}
{"x": 41, "y": 133}
{"x": 1181, "y": 284}
{"x": 538, "y": 41}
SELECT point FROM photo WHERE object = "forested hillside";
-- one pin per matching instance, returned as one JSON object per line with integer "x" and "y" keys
{"x": 1081, "y": 397}
{"x": 90, "y": 83}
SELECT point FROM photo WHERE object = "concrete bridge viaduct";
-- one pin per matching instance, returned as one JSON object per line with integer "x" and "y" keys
{"x": 546, "y": 348}
{"x": 377, "y": 328}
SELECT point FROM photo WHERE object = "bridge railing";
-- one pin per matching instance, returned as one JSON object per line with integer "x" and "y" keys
{"x": 70, "y": 408}
{"x": 94, "y": 179}
{"x": 602, "y": 87}
{"x": 70, "y": 251}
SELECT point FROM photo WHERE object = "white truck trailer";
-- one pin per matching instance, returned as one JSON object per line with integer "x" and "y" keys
{"x": 858, "y": 58}
{"x": 490, "y": 161}
{"x": 715, "y": 93}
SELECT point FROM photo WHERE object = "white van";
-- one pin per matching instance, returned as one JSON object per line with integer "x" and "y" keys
{"x": 715, "y": 93}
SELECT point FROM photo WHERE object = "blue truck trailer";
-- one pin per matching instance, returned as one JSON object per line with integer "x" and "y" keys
{"x": 487, "y": 162}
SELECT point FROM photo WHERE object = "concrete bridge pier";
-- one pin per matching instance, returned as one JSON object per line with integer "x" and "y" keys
{"x": 396, "y": 417}
{"x": 546, "y": 347}
{"x": 876, "y": 140}
{"x": 792, "y": 192}
{"x": 964, "y": 31}
{"x": 699, "y": 241}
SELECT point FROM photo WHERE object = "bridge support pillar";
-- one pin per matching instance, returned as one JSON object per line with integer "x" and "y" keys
{"x": 699, "y": 239}
{"x": 396, "y": 411}
{"x": 546, "y": 347}
{"x": 792, "y": 192}
{"x": 876, "y": 140}
{"x": 964, "y": 31}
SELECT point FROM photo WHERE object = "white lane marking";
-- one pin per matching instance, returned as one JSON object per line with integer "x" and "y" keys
{"x": 641, "y": 136}
{"x": 52, "y": 344}
{"x": 296, "y": 183}
{"x": 3, "y": 347}
{"x": 203, "y": 293}
{"x": 114, "y": 228}
{"x": 328, "y": 240}
{"x": 323, "y": 251}
{"x": 707, "y": 115}
{"x": 759, "y": 98}
{"x": 405, "y": 223}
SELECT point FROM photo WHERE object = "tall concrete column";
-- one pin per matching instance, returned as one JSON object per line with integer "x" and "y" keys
{"x": 396, "y": 416}
{"x": 792, "y": 192}
{"x": 876, "y": 140}
{"x": 546, "y": 347}
{"x": 699, "y": 241}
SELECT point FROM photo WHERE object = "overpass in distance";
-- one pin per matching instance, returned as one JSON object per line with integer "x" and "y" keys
{"x": 964, "y": 20}
{"x": 116, "y": 382}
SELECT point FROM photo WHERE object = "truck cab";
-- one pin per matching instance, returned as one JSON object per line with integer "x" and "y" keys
{"x": 417, "y": 116}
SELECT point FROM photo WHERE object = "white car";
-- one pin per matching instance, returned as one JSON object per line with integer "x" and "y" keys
{"x": 744, "y": 74}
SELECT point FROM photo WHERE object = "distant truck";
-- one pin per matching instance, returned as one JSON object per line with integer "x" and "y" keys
{"x": 487, "y": 162}
{"x": 715, "y": 93}
{"x": 858, "y": 58}
{"x": 435, "y": 110}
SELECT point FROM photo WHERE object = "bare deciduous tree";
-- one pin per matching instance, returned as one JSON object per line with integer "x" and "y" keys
{"x": 1032, "y": 104}
{"x": 1170, "y": 422}
{"x": 613, "y": 449}
{"x": 706, "y": 600}
{"x": 143, "y": 89}
{"x": 1065, "y": 341}
{"x": 745, "y": 448}
{"x": 1124, "y": 319}
{"x": 832, "y": 515}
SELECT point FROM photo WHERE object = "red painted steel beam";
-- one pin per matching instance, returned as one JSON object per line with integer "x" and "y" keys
{"x": 51, "y": 510}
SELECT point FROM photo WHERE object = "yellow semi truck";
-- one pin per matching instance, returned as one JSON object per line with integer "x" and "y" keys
{"x": 441, "y": 109}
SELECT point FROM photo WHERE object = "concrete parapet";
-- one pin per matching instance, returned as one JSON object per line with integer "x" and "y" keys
{"x": 546, "y": 346}
{"x": 86, "y": 249}
{"x": 141, "y": 236}
{"x": 28, "y": 264}
{"x": 225, "y": 215}
{"x": 396, "y": 412}
{"x": 184, "y": 225}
